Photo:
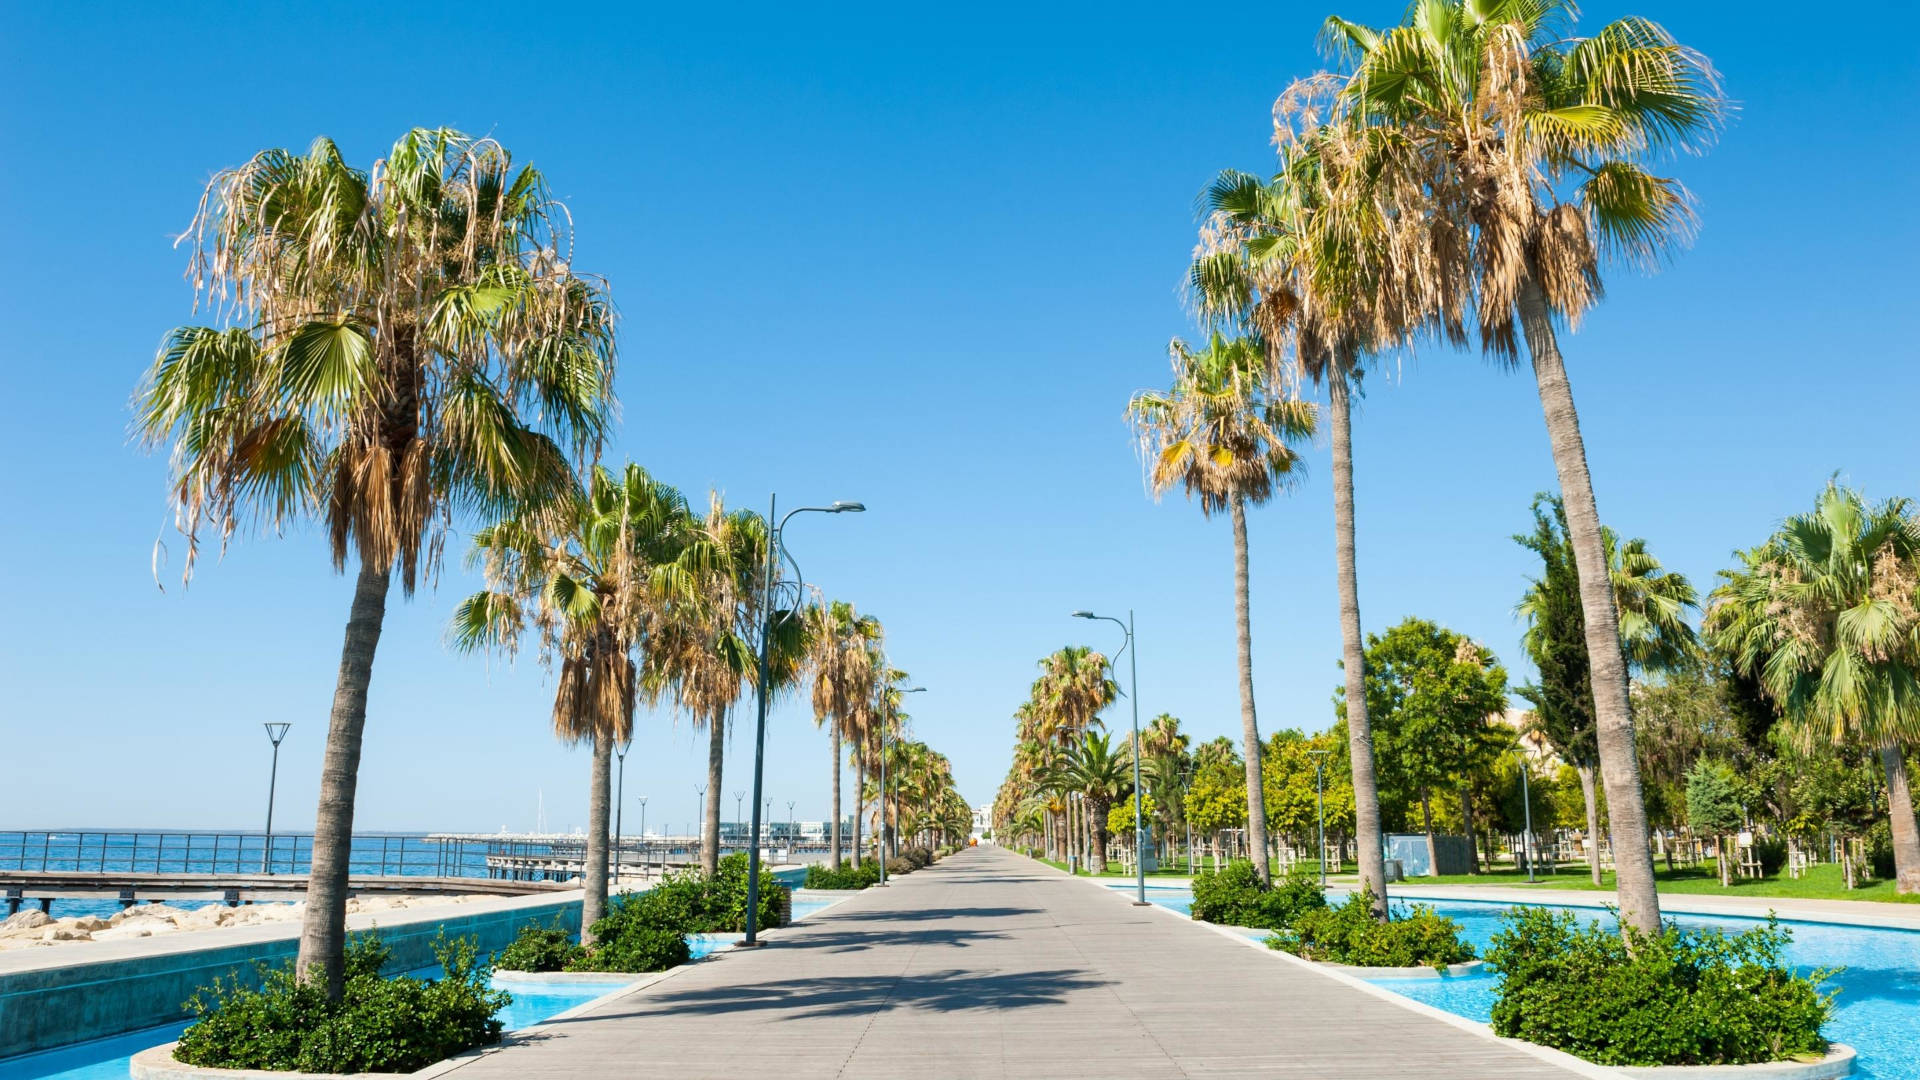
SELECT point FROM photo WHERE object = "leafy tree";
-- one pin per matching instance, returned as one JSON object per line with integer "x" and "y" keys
{"x": 1713, "y": 805}
{"x": 1230, "y": 436}
{"x": 1430, "y": 691}
{"x": 1289, "y": 769}
{"x": 399, "y": 344}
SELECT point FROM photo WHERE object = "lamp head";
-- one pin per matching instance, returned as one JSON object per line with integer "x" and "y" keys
{"x": 276, "y": 732}
{"x": 1083, "y": 615}
{"x": 914, "y": 690}
{"x": 842, "y": 506}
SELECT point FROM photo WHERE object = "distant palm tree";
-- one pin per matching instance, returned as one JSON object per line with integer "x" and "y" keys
{"x": 1528, "y": 147}
{"x": 399, "y": 344}
{"x": 1092, "y": 768}
{"x": 843, "y": 676}
{"x": 584, "y": 573}
{"x": 1827, "y": 616}
{"x": 1229, "y": 437}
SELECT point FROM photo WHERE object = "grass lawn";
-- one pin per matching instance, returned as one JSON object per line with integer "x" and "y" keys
{"x": 1821, "y": 882}
{"x": 1177, "y": 868}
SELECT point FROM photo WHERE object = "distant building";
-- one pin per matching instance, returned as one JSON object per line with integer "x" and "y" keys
{"x": 1539, "y": 751}
{"x": 982, "y": 821}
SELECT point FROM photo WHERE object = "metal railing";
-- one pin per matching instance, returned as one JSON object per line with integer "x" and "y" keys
{"x": 377, "y": 854}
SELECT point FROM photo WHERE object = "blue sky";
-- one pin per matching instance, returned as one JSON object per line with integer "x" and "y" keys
{"x": 914, "y": 257}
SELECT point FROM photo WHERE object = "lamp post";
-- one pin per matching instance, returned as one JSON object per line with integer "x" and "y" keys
{"x": 275, "y": 732}
{"x": 700, "y": 813}
{"x": 793, "y": 836}
{"x": 619, "y": 808}
{"x": 886, "y": 702}
{"x": 643, "y": 837}
{"x": 1320, "y": 805}
{"x": 1139, "y": 820}
{"x": 767, "y": 624}
{"x": 737, "y": 796}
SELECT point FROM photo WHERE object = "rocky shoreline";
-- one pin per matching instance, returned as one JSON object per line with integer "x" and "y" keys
{"x": 32, "y": 928}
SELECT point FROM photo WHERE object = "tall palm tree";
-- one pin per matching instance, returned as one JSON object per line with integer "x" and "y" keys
{"x": 1226, "y": 435}
{"x": 395, "y": 344}
{"x": 702, "y": 649}
{"x": 583, "y": 574}
{"x": 1531, "y": 145}
{"x": 843, "y": 675}
{"x": 1826, "y": 615}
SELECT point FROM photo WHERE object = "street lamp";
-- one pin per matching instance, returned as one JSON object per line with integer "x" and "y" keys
{"x": 275, "y": 732}
{"x": 737, "y": 796}
{"x": 1320, "y": 804}
{"x": 793, "y": 835}
{"x": 886, "y": 701}
{"x": 700, "y": 814}
{"x": 775, "y": 548}
{"x": 619, "y": 806}
{"x": 1526, "y": 804}
{"x": 1139, "y": 821}
{"x": 643, "y": 837}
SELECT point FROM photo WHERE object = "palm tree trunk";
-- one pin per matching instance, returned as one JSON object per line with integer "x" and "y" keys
{"x": 1366, "y": 791}
{"x": 834, "y": 827}
{"x": 1097, "y": 816}
{"x": 1906, "y": 837}
{"x": 1613, "y": 715}
{"x": 323, "y": 929}
{"x": 1249, "y": 727}
{"x": 1593, "y": 816}
{"x": 593, "y": 906}
{"x": 859, "y": 800}
{"x": 1426, "y": 826}
{"x": 716, "y": 767}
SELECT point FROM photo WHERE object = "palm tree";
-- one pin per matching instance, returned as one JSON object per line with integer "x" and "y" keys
{"x": 1529, "y": 145}
{"x": 1229, "y": 439}
{"x": 843, "y": 675}
{"x": 1826, "y": 615}
{"x": 701, "y": 650}
{"x": 1099, "y": 774}
{"x": 398, "y": 343}
{"x": 581, "y": 572}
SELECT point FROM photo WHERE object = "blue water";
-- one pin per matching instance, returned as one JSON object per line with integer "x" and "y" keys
{"x": 1877, "y": 1012}
{"x": 533, "y": 1003}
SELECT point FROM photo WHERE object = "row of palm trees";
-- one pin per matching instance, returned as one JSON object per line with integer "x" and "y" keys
{"x": 1462, "y": 176}
{"x": 393, "y": 349}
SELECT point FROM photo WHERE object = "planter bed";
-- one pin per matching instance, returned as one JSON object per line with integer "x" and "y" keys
{"x": 1837, "y": 1063}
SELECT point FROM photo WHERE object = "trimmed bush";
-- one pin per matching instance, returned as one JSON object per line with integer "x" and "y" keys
{"x": 1415, "y": 936}
{"x": 632, "y": 938}
{"x": 848, "y": 876}
{"x": 1682, "y": 997}
{"x": 379, "y": 1024}
{"x": 1235, "y": 897}
{"x": 540, "y": 949}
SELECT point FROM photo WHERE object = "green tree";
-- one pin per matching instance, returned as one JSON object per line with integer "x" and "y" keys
{"x": 1530, "y": 149}
{"x": 1289, "y": 768}
{"x": 1430, "y": 692}
{"x": 401, "y": 344}
{"x": 1713, "y": 806}
{"x": 1652, "y": 603}
{"x": 585, "y": 572}
{"x": 1230, "y": 437}
{"x": 1827, "y": 615}
{"x": 1100, "y": 775}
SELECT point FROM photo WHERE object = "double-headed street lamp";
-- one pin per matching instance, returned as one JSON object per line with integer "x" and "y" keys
{"x": 275, "y": 732}
{"x": 886, "y": 716}
{"x": 1139, "y": 821}
{"x": 619, "y": 808}
{"x": 775, "y": 549}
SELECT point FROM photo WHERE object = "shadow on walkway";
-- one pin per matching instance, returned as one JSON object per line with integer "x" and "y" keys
{"x": 949, "y": 991}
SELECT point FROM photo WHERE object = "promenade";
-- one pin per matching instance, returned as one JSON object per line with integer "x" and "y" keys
{"x": 991, "y": 965}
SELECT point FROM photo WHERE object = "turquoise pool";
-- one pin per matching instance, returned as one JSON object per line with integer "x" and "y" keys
{"x": 1877, "y": 1012}
{"x": 533, "y": 1003}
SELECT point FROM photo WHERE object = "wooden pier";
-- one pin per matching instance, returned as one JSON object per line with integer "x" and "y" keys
{"x": 43, "y": 887}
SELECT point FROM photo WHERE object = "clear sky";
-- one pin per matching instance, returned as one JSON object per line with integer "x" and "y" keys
{"x": 914, "y": 256}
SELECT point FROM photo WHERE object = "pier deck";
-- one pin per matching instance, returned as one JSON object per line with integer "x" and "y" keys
{"x": 988, "y": 964}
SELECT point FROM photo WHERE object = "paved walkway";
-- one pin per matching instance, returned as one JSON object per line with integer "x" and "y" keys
{"x": 991, "y": 965}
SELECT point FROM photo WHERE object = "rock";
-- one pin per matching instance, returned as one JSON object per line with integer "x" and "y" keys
{"x": 115, "y": 933}
{"x": 21, "y": 920}
{"x": 64, "y": 933}
{"x": 89, "y": 923}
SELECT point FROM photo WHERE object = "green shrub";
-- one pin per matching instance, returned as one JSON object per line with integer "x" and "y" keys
{"x": 1771, "y": 853}
{"x": 631, "y": 938}
{"x": 693, "y": 903}
{"x": 1683, "y": 997}
{"x": 849, "y": 876}
{"x": 920, "y": 858}
{"x": 378, "y": 1025}
{"x": 1235, "y": 897}
{"x": 899, "y": 865}
{"x": 1349, "y": 934}
{"x": 540, "y": 949}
